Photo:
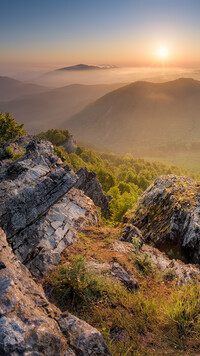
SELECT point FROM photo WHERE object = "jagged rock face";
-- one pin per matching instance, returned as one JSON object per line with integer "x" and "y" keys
{"x": 40, "y": 244}
{"x": 168, "y": 214}
{"x": 39, "y": 210}
{"x": 30, "y": 325}
{"x": 91, "y": 187}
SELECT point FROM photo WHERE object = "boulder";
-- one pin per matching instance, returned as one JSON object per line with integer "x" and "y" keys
{"x": 168, "y": 215}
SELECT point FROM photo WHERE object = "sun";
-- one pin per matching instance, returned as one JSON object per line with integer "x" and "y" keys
{"x": 162, "y": 53}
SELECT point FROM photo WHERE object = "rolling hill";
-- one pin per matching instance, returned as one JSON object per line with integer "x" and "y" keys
{"x": 141, "y": 116}
{"x": 12, "y": 88}
{"x": 41, "y": 111}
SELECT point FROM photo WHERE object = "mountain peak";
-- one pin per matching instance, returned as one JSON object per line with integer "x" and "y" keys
{"x": 85, "y": 67}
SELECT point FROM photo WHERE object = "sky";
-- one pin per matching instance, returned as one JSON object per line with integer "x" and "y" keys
{"x": 55, "y": 33}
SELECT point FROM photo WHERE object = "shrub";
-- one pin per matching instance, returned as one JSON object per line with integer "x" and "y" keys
{"x": 9, "y": 151}
{"x": 169, "y": 274}
{"x": 74, "y": 285}
{"x": 17, "y": 156}
{"x": 143, "y": 262}
{"x": 9, "y": 128}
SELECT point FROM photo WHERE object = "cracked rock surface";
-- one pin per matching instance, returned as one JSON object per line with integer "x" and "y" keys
{"x": 41, "y": 211}
{"x": 30, "y": 325}
{"x": 168, "y": 215}
{"x": 90, "y": 185}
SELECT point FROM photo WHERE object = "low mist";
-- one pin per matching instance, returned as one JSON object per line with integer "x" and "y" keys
{"x": 114, "y": 75}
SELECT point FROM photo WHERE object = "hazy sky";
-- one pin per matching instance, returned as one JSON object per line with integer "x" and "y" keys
{"x": 53, "y": 33}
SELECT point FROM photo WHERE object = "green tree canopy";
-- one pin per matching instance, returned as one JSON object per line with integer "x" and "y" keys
{"x": 56, "y": 136}
{"x": 9, "y": 128}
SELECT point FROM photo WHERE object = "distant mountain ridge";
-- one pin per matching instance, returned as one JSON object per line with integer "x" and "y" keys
{"x": 141, "y": 114}
{"x": 44, "y": 110}
{"x": 12, "y": 88}
{"x": 84, "y": 67}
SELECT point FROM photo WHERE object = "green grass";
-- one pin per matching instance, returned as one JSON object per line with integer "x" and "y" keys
{"x": 158, "y": 316}
{"x": 184, "y": 310}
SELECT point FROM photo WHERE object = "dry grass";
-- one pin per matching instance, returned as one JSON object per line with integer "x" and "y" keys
{"x": 151, "y": 321}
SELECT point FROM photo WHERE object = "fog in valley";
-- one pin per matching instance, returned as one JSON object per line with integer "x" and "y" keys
{"x": 108, "y": 109}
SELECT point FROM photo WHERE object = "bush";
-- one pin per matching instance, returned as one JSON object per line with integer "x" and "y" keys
{"x": 170, "y": 274}
{"x": 9, "y": 151}
{"x": 143, "y": 262}
{"x": 74, "y": 285}
{"x": 9, "y": 128}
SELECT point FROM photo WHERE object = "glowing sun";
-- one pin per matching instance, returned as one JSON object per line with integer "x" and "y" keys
{"x": 162, "y": 53}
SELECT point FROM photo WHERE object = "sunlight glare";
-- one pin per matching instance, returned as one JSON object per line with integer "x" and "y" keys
{"x": 162, "y": 53}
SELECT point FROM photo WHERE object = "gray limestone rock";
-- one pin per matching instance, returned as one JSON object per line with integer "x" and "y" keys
{"x": 168, "y": 215}
{"x": 90, "y": 185}
{"x": 40, "y": 211}
{"x": 30, "y": 325}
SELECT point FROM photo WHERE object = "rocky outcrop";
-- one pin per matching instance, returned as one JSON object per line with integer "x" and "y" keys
{"x": 40, "y": 211}
{"x": 91, "y": 187}
{"x": 172, "y": 269}
{"x": 168, "y": 215}
{"x": 30, "y": 325}
{"x": 53, "y": 232}
{"x": 169, "y": 269}
{"x": 70, "y": 144}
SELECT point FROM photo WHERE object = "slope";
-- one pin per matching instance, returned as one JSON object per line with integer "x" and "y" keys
{"x": 46, "y": 110}
{"x": 11, "y": 89}
{"x": 141, "y": 114}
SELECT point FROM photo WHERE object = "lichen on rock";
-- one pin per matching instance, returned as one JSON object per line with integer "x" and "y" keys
{"x": 168, "y": 215}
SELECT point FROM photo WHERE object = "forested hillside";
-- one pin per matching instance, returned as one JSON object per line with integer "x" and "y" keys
{"x": 121, "y": 176}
